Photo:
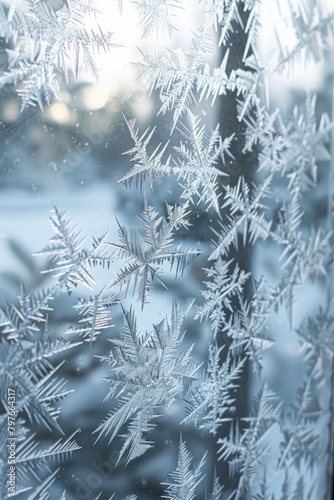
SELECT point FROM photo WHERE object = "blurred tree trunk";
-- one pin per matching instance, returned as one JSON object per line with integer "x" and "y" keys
{"x": 242, "y": 165}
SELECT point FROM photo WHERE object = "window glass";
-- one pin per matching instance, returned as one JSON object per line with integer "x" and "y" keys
{"x": 166, "y": 271}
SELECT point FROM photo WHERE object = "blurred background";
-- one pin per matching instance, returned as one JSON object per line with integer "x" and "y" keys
{"x": 72, "y": 156}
